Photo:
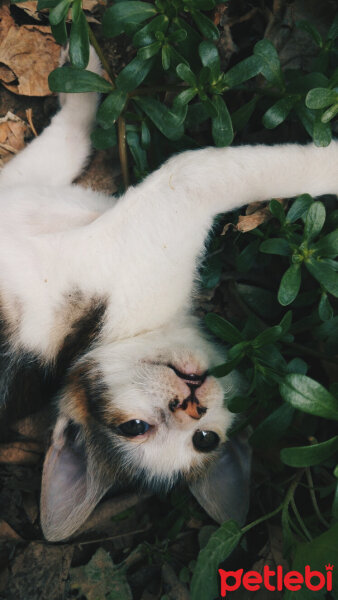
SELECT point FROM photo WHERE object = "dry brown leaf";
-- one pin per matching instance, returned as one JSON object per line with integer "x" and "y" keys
{"x": 39, "y": 572}
{"x": 12, "y": 136}
{"x": 7, "y": 533}
{"x": 256, "y": 213}
{"x": 102, "y": 173}
{"x": 27, "y": 55}
{"x": 30, "y": 8}
{"x": 20, "y": 453}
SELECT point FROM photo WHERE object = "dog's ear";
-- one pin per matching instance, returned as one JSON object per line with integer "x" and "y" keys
{"x": 72, "y": 482}
{"x": 223, "y": 491}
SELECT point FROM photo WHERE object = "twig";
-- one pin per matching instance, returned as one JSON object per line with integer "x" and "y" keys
{"x": 121, "y": 124}
{"x": 121, "y": 129}
{"x": 300, "y": 520}
{"x": 314, "y": 499}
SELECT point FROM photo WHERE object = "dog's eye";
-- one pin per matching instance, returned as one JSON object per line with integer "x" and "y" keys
{"x": 205, "y": 441}
{"x": 133, "y": 428}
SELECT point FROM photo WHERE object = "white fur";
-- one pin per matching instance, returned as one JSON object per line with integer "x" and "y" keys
{"x": 141, "y": 254}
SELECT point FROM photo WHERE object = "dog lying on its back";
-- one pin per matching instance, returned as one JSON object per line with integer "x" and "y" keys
{"x": 95, "y": 299}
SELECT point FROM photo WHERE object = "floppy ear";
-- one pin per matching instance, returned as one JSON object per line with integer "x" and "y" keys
{"x": 72, "y": 482}
{"x": 223, "y": 491}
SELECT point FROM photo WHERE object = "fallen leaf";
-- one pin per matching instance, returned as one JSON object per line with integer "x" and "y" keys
{"x": 12, "y": 136}
{"x": 256, "y": 213}
{"x": 30, "y": 8}
{"x": 40, "y": 572}
{"x": 7, "y": 533}
{"x": 27, "y": 55}
{"x": 100, "y": 579}
{"x": 20, "y": 453}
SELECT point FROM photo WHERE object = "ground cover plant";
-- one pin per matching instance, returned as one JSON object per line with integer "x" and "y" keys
{"x": 198, "y": 72}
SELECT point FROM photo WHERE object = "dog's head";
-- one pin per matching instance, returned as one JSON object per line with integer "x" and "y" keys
{"x": 142, "y": 410}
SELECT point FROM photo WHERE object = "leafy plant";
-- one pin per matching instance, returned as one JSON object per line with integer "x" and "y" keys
{"x": 173, "y": 95}
{"x": 176, "y": 54}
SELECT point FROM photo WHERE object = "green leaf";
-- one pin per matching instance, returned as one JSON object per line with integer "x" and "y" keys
{"x": 239, "y": 404}
{"x": 328, "y": 245}
{"x": 45, "y": 4}
{"x": 312, "y": 30}
{"x": 138, "y": 153}
{"x": 126, "y": 14}
{"x": 321, "y": 551}
{"x": 148, "y": 51}
{"x": 222, "y": 131}
{"x": 168, "y": 122}
{"x": 289, "y": 285}
{"x": 261, "y": 301}
{"x": 276, "y": 246}
{"x": 70, "y": 79}
{"x": 315, "y": 220}
{"x": 306, "y": 456}
{"x": 297, "y": 365}
{"x": 185, "y": 73}
{"x": 223, "y": 329}
{"x": 270, "y": 65}
{"x": 299, "y": 207}
{"x": 329, "y": 114}
{"x": 324, "y": 274}
{"x": 111, "y": 108}
{"x": 60, "y": 33}
{"x": 309, "y": 396}
{"x": 273, "y": 427}
{"x": 333, "y": 31}
{"x": 321, "y": 98}
{"x": 145, "y": 36}
{"x": 103, "y": 138}
{"x": 325, "y": 309}
{"x": 79, "y": 42}
{"x": 184, "y": 97}
{"x": 225, "y": 368}
{"x": 100, "y": 579}
{"x": 165, "y": 56}
{"x": 276, "y": 208}
{"x": 210, "y": 58}
{"x": 286, "y": 322}
{"x": 246, "y": 69}
{"x": 206, "y": 27}
{"x": 133, "y": 74}
{"x": 322, "y": 134}
{"x": 145, "y": 135}
{"x": 268, "y": 336}
{"x": 241, "y": 116}
{"x": 279, "y": 111}
{"x": 204, "y": 583}
{"x": 59, "y": 13}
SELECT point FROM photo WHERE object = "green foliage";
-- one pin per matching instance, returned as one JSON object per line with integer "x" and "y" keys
{"x": 174, "y": 95}
{"x": 176, "y": 51}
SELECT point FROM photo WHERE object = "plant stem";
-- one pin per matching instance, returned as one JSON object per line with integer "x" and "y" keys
{"x": 121, "y": 129}
{"x": 100, "y": 54}
{"x": 300, "y": 520}
{"x": 262, "y": 519}
{"x": 311, "y": 352}
{"x": 313, "y": 497}
{"x": 121, "y": 123}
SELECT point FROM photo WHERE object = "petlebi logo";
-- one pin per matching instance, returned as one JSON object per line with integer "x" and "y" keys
{"x": 277, "y": 580}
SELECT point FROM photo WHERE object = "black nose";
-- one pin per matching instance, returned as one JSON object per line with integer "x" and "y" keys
{"x": 192, "y": 379}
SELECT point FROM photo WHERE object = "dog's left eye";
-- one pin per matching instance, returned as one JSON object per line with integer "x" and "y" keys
{"x": 133, "y": 428}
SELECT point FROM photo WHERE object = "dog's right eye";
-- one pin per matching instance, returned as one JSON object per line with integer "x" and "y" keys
{"x": 133, "y": 428}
